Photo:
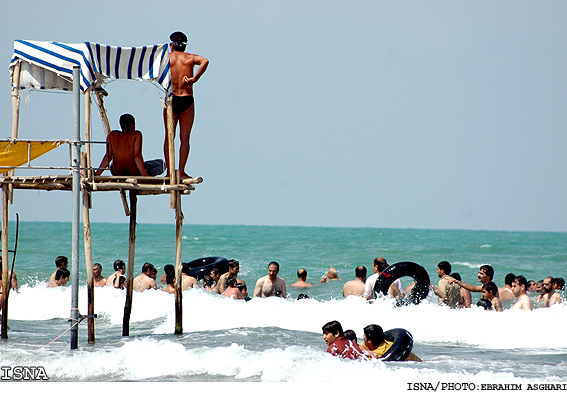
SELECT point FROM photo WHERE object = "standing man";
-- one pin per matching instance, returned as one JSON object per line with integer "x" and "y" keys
{"x": 182, "y": 79}
{"x": 145, "y": 280}
{"x": 233, "y": 270}
{"x": 271, "y": 284}
{"x": 519, "y": 287}
{"x": 448, "y": 292}
{"x": 485, "y": 275}
{"x": 99, "y": 280}
{"x": 301, "y": 279}
{"x": 356, "y": 286}
{"x": 550, "y": 296}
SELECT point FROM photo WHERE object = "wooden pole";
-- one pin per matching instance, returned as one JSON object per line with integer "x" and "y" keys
{"x": 130, "y": 268}
{"x": 88, "y": 257}
{"x": 89, "y": 173}
{"x": 102, "y": 111}
{"x": 15, "y": 116}
{"x": 171, "y": 150}
{"x": 5, "y": 263}
{"x": 178, "y": 266}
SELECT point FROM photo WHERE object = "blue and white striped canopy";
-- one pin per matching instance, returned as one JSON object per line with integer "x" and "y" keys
{"x": 49, "y": 65}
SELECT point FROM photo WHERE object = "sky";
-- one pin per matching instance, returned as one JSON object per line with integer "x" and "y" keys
{"x": 385, "y": 114}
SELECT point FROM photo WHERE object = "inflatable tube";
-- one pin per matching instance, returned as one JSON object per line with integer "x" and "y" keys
{"x": 401, "y": 347}
{"x": 203, "y": 266}
{"x": 399, "y": 270}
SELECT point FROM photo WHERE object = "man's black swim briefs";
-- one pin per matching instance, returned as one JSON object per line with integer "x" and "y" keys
{"x": 181, "y": 103}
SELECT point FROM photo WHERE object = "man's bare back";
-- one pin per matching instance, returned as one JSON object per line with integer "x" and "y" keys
{"x": 353, "y": 288}
{"x": 124, "y": 150}
{"x": 182, "y": 71}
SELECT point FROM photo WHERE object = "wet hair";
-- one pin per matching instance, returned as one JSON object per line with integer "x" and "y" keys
{"x": 508, "y": 279}
{"x": 168, "y": 268}
{"x": 491, "y": 287}
{"x": 375, "y": 334}
{"x": 231, "y": 282}
{"x": 302, "y": 273}
{"x": 445, "y": 266}
{"x": 276, "y": 264}
{"x": 333, "y": 327}
{"x": 170, "y": 277}
{"x": 147, "y": 267}
{"x": 98, "y": 265}
{"x": 62, "y": 273}
{"x": 302, "y": 296}
{"x": 119, "y": 264}
{"x": 126, "y": 120}
{"x": 456, "y": 275}
{"x": 217, "y": 270}
{"x": 349, "y": 334}
{"x": 560, "y": 282}
{"x": 381, "y": 263}
{"x": 241, "y": 286}
{"x": 179, "y": 41}
{"x": 360, "y": 271}
{"x": 60, "y": 261}
{"x": 233, "y": 263}
{"x": 488, "y": 270}
{"x": 521, "y": 280}
{"x": 208, "y": 281}
{"x": 484, "y": 303}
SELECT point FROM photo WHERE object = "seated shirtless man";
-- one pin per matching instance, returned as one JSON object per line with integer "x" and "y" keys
{"x": 124, "y": 152}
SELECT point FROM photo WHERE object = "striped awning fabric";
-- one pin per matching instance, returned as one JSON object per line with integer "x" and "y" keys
{"x": 49, "y": 65}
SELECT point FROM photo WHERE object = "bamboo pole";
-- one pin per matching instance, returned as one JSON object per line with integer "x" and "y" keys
{"x": 178, "y": 266}
{"x": 5, "y": 263}
{"x": 88, "y": 257}
{"x": 130, "y": 268}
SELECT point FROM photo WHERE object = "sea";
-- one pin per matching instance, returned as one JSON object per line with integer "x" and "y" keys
{"x": 278, "y": 341}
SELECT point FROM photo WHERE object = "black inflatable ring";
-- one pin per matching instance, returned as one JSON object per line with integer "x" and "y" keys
{"x": 401, "y": 347}
{"x": 399, "y": 270}
{"x": 203, "y": 266}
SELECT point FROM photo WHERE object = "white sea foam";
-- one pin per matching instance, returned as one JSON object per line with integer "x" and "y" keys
{"x": 429, "y": 322}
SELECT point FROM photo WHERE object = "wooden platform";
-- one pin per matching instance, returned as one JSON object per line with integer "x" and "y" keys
{"x": 143, "y": 185}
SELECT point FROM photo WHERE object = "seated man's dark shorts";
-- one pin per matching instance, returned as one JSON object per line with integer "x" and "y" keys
{"x": 181, "y": 103}
{"x": 154, "y": 167}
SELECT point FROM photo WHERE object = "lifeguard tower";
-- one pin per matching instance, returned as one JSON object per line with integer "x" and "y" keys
{"x": 85, "y": 69}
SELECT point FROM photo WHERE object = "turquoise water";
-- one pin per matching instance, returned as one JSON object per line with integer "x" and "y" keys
{"x": 280, "y": 339}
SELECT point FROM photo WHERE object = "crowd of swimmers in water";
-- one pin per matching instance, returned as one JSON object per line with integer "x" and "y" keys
{"x": 516, "y": 293}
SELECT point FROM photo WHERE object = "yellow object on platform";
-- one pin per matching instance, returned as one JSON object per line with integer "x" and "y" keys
{"x": 14, "y": 154}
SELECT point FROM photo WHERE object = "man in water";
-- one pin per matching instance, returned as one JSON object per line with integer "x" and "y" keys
{"x": 505, "y": 292}
{"x": 356, "y": 286}
{"x": 519, "y": 287}
{"x": 331, "y": 275}
{"x": 378, "y": 265}
{"x": 145, "y": 280}
{"x": 233, "y": 270}
{"x": 490, "y": 292}
{"x": 182, "y": 79}
{"x": 61, "y": 278}
{"x": 232, "y": 290}
{"x": 117, "y": 279}
{"x": 271, "y": 284}
{"x": 302, "y": 277}
{"x": 124, "y": 152}
{"x": 187, "y": 281}
{"x": 375, "y": 346}
{"x": 99, "y": 280}
{"x": 60, "y": 262}
{"x": 485, "y": 274}
{"x": 338, "y": 344}
{"x": 449, "y": 293}
{"x": 550, "y": 296}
